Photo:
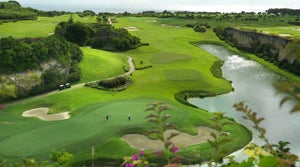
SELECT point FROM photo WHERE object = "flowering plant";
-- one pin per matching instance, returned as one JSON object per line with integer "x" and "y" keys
{"x": 136, "y": 160}
{"x": 160, "y": 118}
{"x": 168, "y": 153}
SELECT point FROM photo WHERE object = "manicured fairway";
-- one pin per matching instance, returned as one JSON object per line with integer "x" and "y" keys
{"x": 183, "y": 75}
{"x": 41, "y": 27}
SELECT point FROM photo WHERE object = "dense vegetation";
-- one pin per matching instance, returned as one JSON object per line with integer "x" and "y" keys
{"x": 99, "y": 36}
{"x": 20, "y": 55}
{"x": 12, "y": 10}
{"x": 283, "y": 11}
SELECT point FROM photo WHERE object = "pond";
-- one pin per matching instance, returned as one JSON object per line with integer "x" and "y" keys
{"x": 252, "y": 84}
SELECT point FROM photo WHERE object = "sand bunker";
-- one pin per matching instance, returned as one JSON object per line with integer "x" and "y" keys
{"x": 131, "y": 28}
{"x": 297, "y": 29}
{"x": 166, "y": 25}
{"x": 42, "y": 113}
{"x": 151, "y": 21}
{"x": 284, "y": 35}
{"x": 183, "y": 139}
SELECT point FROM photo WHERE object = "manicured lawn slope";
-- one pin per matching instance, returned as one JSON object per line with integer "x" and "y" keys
{"x": 99, "y": 64}
{"x": 171, "y": 56}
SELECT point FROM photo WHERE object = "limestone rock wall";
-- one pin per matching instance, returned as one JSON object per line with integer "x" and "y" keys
{"x": 250, "y": 40}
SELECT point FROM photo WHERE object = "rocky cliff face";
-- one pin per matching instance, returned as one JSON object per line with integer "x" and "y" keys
{"x": 26, "y": 80}
{"x": 251, "y": 40}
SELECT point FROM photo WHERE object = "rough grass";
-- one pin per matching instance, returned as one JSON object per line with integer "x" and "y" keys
{"x": 98, "y": 65}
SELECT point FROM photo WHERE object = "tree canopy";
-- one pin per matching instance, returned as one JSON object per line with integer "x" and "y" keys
{"x": 17, "y": 55}
{"x": 12, "y": 10}
{"x": 97, "y": 35}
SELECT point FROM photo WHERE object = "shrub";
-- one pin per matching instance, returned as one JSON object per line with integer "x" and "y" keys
{"x": 219, "y": 30}
{"x": 198, "y": 28}
{"x": 112, "y": 83}
{"x": 61, "y": 157}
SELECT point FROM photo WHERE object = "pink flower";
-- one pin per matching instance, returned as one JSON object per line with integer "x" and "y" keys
{"x": 174, "y": 149}
{"x": 159, "y": 153}
{"x": 1, "y": 106}
{"x": 141, "y": 152}
{"x": 128, "y": 165}
{"x": 135, "y": 157}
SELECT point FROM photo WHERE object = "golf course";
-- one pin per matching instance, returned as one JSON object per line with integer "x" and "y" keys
{"x": 78, "y": 122}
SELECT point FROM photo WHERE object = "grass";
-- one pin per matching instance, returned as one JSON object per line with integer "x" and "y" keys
{"x": 163, "y": 58}
{"x": 41, "y": 27}
{"x": 183, "y": 75}
{"x": 98, "y": 65}
{"x": 173, "y": 59}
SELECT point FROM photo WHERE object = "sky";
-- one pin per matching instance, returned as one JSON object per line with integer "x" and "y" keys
{"x": 192, "y": 5}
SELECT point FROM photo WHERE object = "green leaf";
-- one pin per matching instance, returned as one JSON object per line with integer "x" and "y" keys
{"x": 172, "y": 135}
{"x": 296, "y": 108}
{"x": 284, "y": 100}
{"x": 152, "y": 116}
{"x": 167, "y": 116}
{"x": 226, "y": 123}
{"x": 212, "y": 143}
{"x": 268, "y": 161}
{"x": 214, "y": 135}
{"x": 154, "y": 131}
{"x": 248, "y": 163}
{"x": 8, "y": 90}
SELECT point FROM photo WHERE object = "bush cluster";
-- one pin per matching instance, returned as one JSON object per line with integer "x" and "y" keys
{"x": 99, "y": 36}
{"x": 12, "y": 10}
{"x": 114, "y": 84}
{"x": 18, "y": 55}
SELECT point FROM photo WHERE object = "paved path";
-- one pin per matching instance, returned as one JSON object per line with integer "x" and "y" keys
{"x": 131, "y": 69}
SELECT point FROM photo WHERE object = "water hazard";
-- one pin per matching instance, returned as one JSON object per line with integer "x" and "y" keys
{"x": 253, "y": 84}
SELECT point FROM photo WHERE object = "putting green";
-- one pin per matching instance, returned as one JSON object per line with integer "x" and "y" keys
{"x": 87, "y": 128}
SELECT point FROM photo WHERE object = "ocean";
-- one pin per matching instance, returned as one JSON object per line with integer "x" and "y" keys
{"x": 121, "y": 8}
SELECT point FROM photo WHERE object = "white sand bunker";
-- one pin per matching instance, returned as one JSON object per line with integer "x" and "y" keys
{"x": 284, "y": 35}
{"x": 183, "y": 139}
{"x": 131, "y": 28}
{"x": 166, "y": 25}
{"x": 151, "y": 21}
{"x": 42, "y": 113}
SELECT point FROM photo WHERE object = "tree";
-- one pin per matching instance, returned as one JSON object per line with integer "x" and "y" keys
{"x": 78, "y": 32}
{"x": 198, "y": 28}
{"x": 7, "y": 88}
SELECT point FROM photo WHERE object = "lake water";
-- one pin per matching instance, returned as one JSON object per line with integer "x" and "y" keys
{"x": 253, "y": 85}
